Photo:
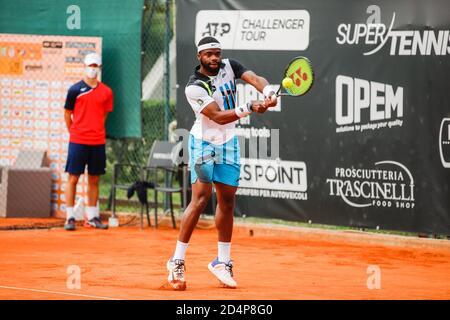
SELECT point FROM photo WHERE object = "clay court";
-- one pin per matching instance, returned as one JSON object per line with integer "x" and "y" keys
{"x": 271, "y": 262}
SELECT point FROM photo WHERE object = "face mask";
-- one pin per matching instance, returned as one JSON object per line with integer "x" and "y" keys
{"x": 91, "y": 72}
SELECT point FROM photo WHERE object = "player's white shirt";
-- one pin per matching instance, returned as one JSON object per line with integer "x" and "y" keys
{"x": 201, "y": 90}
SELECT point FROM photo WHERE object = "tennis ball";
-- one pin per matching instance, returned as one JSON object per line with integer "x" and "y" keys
{"x": 287, "y": 83}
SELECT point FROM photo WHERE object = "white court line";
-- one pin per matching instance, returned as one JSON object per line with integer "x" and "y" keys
{"x": 58, "y": 292}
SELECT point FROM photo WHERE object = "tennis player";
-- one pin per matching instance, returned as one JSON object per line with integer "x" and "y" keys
{"x": 87, "y": 106}
{"x": 214, "y": 153}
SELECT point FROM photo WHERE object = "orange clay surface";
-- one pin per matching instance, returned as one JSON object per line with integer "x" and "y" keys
{"x": 129, "y": 263}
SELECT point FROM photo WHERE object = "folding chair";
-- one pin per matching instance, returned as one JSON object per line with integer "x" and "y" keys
{"x": 123, "y": 178}
{"x": 162, "y": 163}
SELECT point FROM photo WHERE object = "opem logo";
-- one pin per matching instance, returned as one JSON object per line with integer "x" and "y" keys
{"x": 359, "y": 100}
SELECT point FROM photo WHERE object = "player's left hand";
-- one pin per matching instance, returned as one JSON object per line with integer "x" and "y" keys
{"x": 271, "y": 101}
{"x": 259, "y": 106}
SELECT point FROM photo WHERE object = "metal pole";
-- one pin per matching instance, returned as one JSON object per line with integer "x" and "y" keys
{"x": 167, "y": 37}
{"x": 167, "y": 72}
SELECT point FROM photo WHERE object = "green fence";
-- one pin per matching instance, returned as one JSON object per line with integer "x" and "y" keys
{"x": 119, "y": 26}
{"x": 138, "y": 64}
{"x": 158, "y": 104}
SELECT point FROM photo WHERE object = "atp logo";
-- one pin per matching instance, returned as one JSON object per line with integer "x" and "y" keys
{"x": 216, "y": 29}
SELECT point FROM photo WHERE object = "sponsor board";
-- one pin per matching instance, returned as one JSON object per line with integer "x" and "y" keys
{"x": 255, "y": 29}
{"x": 367, "y": 105}
{"x": 33, "y": 88}
{"x": 388, "y": 184}
{"x": 377, "y": 35}
{"x": 273, "y": 179}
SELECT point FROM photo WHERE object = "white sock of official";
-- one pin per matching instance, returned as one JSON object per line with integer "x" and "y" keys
{"x": 92, "y": 212}
{"x": 224, "y": 252}
{"x": 180, "y": 251}
{"x": 69, "y": 213}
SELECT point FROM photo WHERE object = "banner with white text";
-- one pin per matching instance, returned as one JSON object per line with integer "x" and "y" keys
{"x": 369, "y": 145}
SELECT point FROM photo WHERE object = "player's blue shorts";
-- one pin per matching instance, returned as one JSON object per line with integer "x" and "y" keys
{"x": 215, "y": 163}
{"x": 80, "y": 155}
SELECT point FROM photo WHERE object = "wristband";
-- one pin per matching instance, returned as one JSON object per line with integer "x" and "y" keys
{"x": 244, "y": 110}
{"x": 268, "y": 91}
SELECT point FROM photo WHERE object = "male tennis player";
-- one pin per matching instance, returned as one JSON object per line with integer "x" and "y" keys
{"x": 87, "y": 105}
{"x": 214, "y": 152}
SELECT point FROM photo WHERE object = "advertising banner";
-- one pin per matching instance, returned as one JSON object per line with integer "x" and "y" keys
{"x": 368, "y": 146}
{"x": 35, "y": 74}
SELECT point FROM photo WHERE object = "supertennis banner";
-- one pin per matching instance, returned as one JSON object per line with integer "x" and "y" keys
{"x": 368, "y": 146}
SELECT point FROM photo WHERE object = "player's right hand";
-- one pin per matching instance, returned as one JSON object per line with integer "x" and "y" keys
{"x": 259, "y": 106}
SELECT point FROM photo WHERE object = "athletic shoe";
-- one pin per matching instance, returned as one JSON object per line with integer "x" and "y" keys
{"x": 70, "y": 224}
{"x": 224, "y": 272}
{"x": 176, "y": 270}
{"x": 95, "y": 223}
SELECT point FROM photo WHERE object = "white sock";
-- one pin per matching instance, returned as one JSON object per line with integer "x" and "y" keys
{"x": 180, "y": 251}
{"x": 224, "y": 251}
{"x": 69, "y": 213}
{"x": 92, "y": 212}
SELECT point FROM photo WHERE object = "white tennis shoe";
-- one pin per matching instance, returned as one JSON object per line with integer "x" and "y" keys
{"x": 224, "y": 272}
{"x": 176, "y": 270}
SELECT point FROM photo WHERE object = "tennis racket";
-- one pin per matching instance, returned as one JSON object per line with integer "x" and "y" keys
{"x": 298, "y": 78}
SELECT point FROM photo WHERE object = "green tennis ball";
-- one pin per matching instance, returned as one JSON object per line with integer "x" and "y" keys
{"x": 287, "y": 82}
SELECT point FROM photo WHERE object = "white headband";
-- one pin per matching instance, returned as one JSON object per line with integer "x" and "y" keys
{"x": 211, "y": 45}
